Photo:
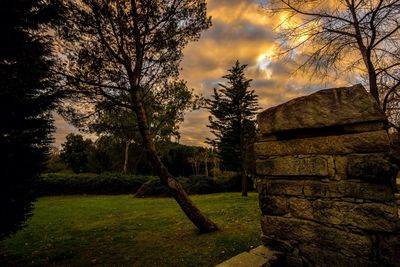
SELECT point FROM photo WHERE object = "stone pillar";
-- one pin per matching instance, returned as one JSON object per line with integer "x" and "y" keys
{"x": 325, "y": 181}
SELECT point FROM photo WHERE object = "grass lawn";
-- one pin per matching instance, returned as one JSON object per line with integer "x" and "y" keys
{"x": 124, "y": 231}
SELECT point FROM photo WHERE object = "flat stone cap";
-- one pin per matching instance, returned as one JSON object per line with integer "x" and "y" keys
{"x": 325, "y": 108}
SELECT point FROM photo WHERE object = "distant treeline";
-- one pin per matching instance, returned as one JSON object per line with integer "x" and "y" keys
{"x": 108, "y": 154}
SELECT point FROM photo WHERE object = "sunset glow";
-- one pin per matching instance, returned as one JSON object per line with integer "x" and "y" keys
{"x": 241, "y": 31}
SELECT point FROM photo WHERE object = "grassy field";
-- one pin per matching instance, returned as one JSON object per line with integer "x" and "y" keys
{"x": 124, "y": 231}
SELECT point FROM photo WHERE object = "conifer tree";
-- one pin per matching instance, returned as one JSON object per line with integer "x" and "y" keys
{"x": 26, "y": 99}
{"x": 233, "y": 109}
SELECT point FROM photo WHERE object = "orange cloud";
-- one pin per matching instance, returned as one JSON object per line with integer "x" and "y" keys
{"x": 241, "y": 31}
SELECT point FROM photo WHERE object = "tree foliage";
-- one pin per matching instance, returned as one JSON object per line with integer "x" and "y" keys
{"x": 75, "y": 152}
{"x": 233, "y": 108}
{"x": 346, "y": 35}
{"x": 26, "y": 99}
{"x": 126, "y": 55}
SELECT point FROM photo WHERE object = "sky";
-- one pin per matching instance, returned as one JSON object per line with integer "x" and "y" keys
{"x": 242, "y": 31}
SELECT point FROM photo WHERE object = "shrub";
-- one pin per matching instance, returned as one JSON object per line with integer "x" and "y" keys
{"x": 152, "y": 188}
{"x": 87, "y": 183}
{"x": 229, "y": 182}
{"x": 200, "y": 184}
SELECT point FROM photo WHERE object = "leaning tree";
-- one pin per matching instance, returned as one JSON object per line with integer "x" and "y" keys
{"x": 126, "y": 54}
{"x": 362, "y": 36}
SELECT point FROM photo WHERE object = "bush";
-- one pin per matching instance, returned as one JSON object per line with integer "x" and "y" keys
{"x": 152, "y": 188}
{"x": 200, "y": 184}
{"x": 87, "y": 183}
{"x": 229, "y": 182}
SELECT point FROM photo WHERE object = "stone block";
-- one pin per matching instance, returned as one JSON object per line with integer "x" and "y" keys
{"x": 277, "y": 244}
{"x": 389, "y": 250}
{"x": 325, "y": 108}
{"x": 319, "y": 256}
{"x": 370, "y": 167}
{"x": 369, "y": 142}
{"x": 343, "y": 189}
{"x": 281, "y": 187}
{"x": 273, "y": 205}
{"x": 364, "y": 127}
{"x": 320, "y": 166}
{"x": 366, "y": 216}
{"x": 245, "y": 259}
{"x": 304, "y": 232}
{"x": 334, "y": 189}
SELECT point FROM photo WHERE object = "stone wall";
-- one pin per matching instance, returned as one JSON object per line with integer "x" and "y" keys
{"x": 326, "y": 182}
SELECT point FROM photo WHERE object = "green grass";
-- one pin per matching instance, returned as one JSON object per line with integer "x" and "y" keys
{"x": 124, "y": 231}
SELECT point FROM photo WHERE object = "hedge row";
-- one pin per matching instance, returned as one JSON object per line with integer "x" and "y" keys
{"x": 107, "y": 183}
{"x": 143, "y": 186}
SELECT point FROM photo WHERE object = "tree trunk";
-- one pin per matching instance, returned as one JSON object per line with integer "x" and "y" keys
{"x": 373, "y": 85}
{"x": 244, "y": 182}
{"x": 192, "y": 212}
{"x": 206, "y": 168}
{"x": 126, "y": 157}
{"x": 365, "y": 53}
{"x": 242, "y": 159}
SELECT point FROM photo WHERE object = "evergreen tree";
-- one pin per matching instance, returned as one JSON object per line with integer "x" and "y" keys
{"x": 25, "y": 102}
{"x": 233, "y": 108}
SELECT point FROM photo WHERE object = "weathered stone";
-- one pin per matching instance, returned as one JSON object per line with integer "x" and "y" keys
{"x": 364, "y": 127}
{"x": 263, "y": 251}
{"x": 275, "y": 243}
{"x": 320, "y": 256}
{"x": 369, "y": 142}
{"x": 342, "y": 189}
{"x": 340, "y": 167}
{"x": 367, "y": 216}
{"x": 389, "y": 249}
{"x": 370, "y": 167}
{"x": 281, "y": 187}
{"x": 304, "y": 231}
{"x": 300, "y": 208}
{"x": 245, "y": 259}
{"x": 321, "y": 166}
{"x": 334, "y": 189}
{"x": 273, "y": 205}
{"x": 329, "y": 107}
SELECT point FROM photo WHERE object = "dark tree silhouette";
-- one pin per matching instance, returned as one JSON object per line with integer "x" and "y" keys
{"x": 127, "y": 54}
{"x": 25, "y": 102}
{"x": 233, "y": 108}
{"x": 75, "y": 152}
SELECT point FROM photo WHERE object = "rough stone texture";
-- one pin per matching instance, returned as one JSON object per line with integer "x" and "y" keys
{"x": 326, "y": 183}
{"x": 389, "y": 250}
{"x": 367, "y": 216}
{"x": 372, "y": 167}
{"x": 316, "y": 254}
{"x": 296, "y": 166}
{"x": 318, "y": 189}
{"x": 309, "y": 232}
{"x": 368, "y": 142}
{"x": 329, "y": 107}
